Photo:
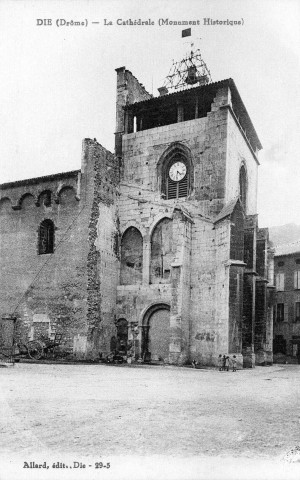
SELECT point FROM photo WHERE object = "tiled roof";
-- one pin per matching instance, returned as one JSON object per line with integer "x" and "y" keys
{"x": 227, "y": 210}
{"x": 47, "y": 178}
{"x": 202, "y": 88}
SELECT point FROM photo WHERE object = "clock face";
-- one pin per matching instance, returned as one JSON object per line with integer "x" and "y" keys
{"x": 177, "y": 171}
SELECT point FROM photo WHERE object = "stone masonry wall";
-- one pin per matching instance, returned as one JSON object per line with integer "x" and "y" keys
{"x": 204, "y": 319}
{"x": 129, "y": 90}
{"x": 209, "y": 291}
{"x": 238, "y": 153}
{"x": 72, "y": 290}
{"x": 206, "y": 139}
{"x": 103, "y": 252}
{"x": 45, "y": 292}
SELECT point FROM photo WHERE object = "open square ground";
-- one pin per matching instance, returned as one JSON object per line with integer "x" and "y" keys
{"x": 148, "y": 422}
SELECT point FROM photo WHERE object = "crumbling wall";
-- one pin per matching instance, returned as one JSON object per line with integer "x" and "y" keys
{"x": 129, "y": 90}
{"x": 103, "y": 247}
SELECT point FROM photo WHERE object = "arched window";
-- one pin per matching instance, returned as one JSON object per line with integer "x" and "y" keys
{"x": 46, "y": 237}
{"x": 243, "y": 186}
{"x": 67, "y": 197}
{"x": 45, "y": 198}
{"x": 131, "y": 257}
{"x": 177, "y": 178}
{"x": 161, "y": 252}
{"x": 176, "y": 170}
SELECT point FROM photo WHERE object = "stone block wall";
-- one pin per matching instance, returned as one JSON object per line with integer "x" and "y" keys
{"x": 129, "y": 90}
{"x": 204, "y": 294}
{"x": 102, "y": 172}
{"x": 209, "y": 291}
{"x": 60, "y": 291}
{"x": 239, "y": 153}
{"x": 48, "y": 286}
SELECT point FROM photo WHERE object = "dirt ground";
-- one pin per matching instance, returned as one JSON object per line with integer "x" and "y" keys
{"x": 148, "y": 422}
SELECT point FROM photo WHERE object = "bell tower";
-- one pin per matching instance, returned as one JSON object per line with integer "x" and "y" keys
{"x": 188, "y": 188}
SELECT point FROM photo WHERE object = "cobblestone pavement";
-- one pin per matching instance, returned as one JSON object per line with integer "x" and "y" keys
{"x": 162, "y": 422}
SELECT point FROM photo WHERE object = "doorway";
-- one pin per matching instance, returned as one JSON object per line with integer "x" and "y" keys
{"x": 156, "y": 333}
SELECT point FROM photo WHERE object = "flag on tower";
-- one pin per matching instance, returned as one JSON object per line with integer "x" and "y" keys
{"x": 186, "y": 33}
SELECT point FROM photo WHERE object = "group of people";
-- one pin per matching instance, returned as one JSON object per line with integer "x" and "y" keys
{"x": 225, "y": 362}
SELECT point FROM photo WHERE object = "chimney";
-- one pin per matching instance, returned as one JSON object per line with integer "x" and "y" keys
{"x": 162, "y": 91}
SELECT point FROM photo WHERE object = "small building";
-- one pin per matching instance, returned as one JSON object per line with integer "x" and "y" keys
{"x": 287, "y": 318}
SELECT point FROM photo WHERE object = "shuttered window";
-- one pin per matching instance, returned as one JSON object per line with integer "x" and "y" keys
{"x": 280, "y": 282}
{"x": 297, "y": 279}
{"x": 177, "y": 189}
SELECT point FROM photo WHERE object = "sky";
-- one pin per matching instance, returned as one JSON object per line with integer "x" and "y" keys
{"x": 58, "y": 83}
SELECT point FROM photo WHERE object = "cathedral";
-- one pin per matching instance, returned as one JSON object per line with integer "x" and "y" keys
{"x": 153, "y": 252}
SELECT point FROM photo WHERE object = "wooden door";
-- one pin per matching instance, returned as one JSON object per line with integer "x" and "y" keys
{"x": 159, "y": 335}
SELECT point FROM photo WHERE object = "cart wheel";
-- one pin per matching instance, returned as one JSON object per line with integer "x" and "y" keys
{"x": 35, "y": 349}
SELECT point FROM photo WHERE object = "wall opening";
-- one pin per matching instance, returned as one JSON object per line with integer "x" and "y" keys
{"x": 175, "y": 171}
{"x": 131, "y": 257}
{"x": 243, "y": 186}
{"x": 156, "y": 333}
{"x": 161, "y": 252}
{"x": 46, "y": 237}
{"x": 237, "y": 233}
{"x": 122, "y": 336}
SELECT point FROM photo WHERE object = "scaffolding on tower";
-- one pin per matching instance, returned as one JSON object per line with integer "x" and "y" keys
{"x": 189, "y": 72}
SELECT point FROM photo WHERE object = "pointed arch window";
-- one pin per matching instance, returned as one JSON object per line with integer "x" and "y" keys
{"x": 131, "y": 257}
{"x": 46, "y": 237}
{"x": 176, "y": 171}
{"x": 161, "y": 252}
{"x": 177, "y": 176}
{"x": 243, "y": 186}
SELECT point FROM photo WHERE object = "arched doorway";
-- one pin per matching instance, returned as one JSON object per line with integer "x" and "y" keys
{"x": 156, "y": 333}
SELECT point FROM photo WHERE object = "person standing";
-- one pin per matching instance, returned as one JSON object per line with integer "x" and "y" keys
{"x": 227, "y": 363}
{"x": 223, "y": 362}
{"x": 234, "y": 363}
{"x": 220, "y": 362}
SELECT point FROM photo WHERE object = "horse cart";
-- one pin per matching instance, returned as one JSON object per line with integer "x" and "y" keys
{"x": 34, "y": 349}
{"x": 41, "y": 348}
